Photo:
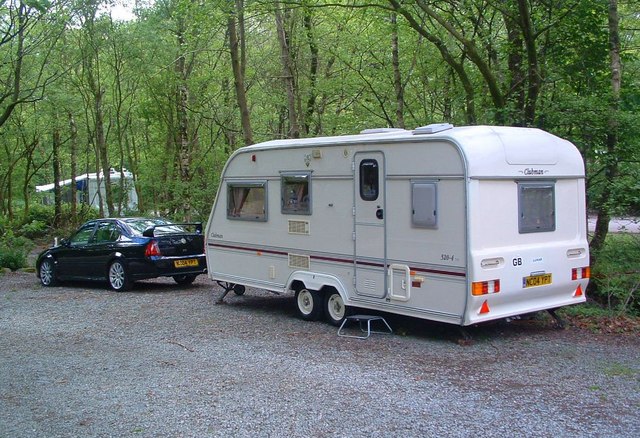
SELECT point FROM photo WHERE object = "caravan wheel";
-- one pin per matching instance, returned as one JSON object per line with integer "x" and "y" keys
{"x": 335, "y": 310}
{"x": 309, "y": 304}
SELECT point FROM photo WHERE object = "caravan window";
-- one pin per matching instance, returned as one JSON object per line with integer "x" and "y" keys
{"x": 296, "y": 192}
{"x": 247, "y": 200}
{"x": 424, "y": 204}
{"x": 369, "y": 180}
{"x": 536, "y": 207}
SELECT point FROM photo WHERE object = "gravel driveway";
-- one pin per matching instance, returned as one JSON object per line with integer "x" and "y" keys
{"x": 160, "y": 360}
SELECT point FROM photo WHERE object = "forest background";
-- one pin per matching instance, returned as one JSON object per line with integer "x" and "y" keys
{"x": 171, "y": 93}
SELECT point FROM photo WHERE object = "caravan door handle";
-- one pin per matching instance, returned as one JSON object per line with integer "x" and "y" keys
{"x": 380, "y": 213}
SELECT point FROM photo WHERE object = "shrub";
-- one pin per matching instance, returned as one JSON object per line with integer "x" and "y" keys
{"x": 616, "y": 274}
{"x": 14, "y": 251}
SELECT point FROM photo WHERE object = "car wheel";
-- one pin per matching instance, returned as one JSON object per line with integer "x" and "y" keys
{"x": 118, "y": 277}
{"x": 184, "y": 279}
{"x": 47, "y": 273}
{"x": 335, "y": 310}
{"x": 309, "y": 304}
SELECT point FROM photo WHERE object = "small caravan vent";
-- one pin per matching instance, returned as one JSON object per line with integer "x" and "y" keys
{"x": 433, "y": 128}
{"x": 380, "y": 130}
{"x": 299, "y": 261}
{"x": 298, "y": 227}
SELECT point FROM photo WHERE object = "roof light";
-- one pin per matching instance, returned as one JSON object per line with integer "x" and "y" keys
{"x": 432, "y": 128}
{"x": 485, "y": 287}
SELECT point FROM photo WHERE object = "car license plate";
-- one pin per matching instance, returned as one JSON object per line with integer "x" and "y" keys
{"x": 536, "y": 280}
{"x": 185, "y": 263}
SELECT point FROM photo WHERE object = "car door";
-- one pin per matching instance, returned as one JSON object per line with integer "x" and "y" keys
{"x": 101, "y": 248}
{"x": 72, "y": 256}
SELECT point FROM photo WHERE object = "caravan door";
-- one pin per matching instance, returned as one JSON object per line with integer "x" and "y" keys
{"x": 370, "y": 231}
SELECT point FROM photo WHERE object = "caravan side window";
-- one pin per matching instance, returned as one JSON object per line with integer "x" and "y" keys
{"x": 536, "y": 207}
{"x": 247, "y": 200}
{"x": 296, "y": 192}
{"x": 424, "y": 204}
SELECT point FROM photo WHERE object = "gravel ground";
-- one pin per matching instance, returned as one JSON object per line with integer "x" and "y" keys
{"x": 161, "y": 360}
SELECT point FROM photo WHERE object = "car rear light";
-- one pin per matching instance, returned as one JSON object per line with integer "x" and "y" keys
{"x": 580, "y": 273}
{"x": 485, "y": 287}
{"x": 152, "y": 249}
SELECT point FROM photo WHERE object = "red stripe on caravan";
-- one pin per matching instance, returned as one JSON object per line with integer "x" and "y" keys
{"x": 335, "y": 259}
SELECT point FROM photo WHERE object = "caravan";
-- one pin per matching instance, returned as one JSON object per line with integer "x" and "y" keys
{"x": 454, "y": 224}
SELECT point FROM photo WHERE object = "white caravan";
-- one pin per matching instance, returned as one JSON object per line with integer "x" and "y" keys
{"x": 459, "y": 225}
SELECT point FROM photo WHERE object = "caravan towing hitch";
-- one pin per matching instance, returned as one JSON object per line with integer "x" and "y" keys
{"x": 238, "y": 289}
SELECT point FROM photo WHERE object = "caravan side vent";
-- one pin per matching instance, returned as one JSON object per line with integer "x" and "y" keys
{"x": 433, "y": 128}
{"x": 299, "y": 261}
{"x": 298, "y": 227}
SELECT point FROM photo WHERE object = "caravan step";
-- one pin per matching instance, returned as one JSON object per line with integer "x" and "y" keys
{"x": 361, "y": 320}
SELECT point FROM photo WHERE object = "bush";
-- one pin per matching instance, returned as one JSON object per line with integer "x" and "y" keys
{"x": 34, "y": 229}
{"x": 14, "y": 251}
{"x": 616, "y": 274}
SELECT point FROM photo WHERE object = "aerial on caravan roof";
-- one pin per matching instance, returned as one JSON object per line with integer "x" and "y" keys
{"x": 460, "y": 225}
{"x": 91, "y": 189}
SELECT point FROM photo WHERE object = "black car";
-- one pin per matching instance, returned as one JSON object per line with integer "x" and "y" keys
{"x": 124, "y": 250}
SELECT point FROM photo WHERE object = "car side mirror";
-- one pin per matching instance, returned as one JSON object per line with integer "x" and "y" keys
{"x": 148, "y": 232}
{"x": 62, "y": 242}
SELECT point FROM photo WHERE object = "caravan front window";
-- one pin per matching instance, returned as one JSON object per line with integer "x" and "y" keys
{"x": 247, "y": 200}
{"x": 296, "y": 192}
{"x": 536, "y": 207}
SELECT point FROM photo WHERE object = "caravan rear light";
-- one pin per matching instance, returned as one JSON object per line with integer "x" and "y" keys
{"x": 485, "y": 287}
{"x": 580, "y": 273}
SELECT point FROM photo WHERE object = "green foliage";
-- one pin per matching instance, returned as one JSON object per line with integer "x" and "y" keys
{"x": 14, "y": 251}
{"x": 616, "y": 275}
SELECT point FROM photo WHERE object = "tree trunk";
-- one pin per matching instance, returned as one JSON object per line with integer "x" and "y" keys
{"x": 397, "y": 76}
{"x": 73, "y": 128}
{"x": 313, "y": 72}
{"x": 287, "y": 74}
{"x": 237, "y": 66}
{"x": 57, "y": 178}
{"x": 534, "y": 77}
{"x": 611, "y": 170}
{"x": 183, "y": 139}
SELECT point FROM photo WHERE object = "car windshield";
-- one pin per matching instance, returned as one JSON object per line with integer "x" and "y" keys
{"x": 139, "y": 225}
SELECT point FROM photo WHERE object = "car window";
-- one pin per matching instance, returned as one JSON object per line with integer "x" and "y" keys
{"x": 139, "y": 225}
{"x": 83, "y": 235}
{"x": 107, "y": 232}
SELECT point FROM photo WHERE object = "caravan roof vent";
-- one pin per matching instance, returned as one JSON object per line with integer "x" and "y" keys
{"x": 380, "y": 130}
{"x": 432, "y": 128}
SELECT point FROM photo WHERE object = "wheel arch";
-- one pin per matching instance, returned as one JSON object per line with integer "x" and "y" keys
{"x": 316, "y": 281}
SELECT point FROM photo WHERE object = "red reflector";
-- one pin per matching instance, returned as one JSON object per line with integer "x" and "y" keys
{"x": 152, "y": 249}
{"x": 578, "y": 292}
{"x": 484, "y": 308}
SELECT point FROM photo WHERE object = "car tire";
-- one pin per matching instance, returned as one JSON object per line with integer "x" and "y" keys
{"x": 47, "y": 273}
{"x": 184, "y": 279}
{"x": 334, "y": 309}
{"x": 118, "y": 277}
{"x": 309, "y": 304}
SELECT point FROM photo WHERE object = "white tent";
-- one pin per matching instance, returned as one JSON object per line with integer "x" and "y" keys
{"x": 89, "y": 184}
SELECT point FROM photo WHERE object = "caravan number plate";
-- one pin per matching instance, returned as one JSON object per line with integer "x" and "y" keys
{"x": 185, "y": 263}
{"x": 536, "y": 280}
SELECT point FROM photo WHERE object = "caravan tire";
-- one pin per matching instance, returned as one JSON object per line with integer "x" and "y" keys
{"x": 335, "y": 310}
{"x": 309, "y": 304}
